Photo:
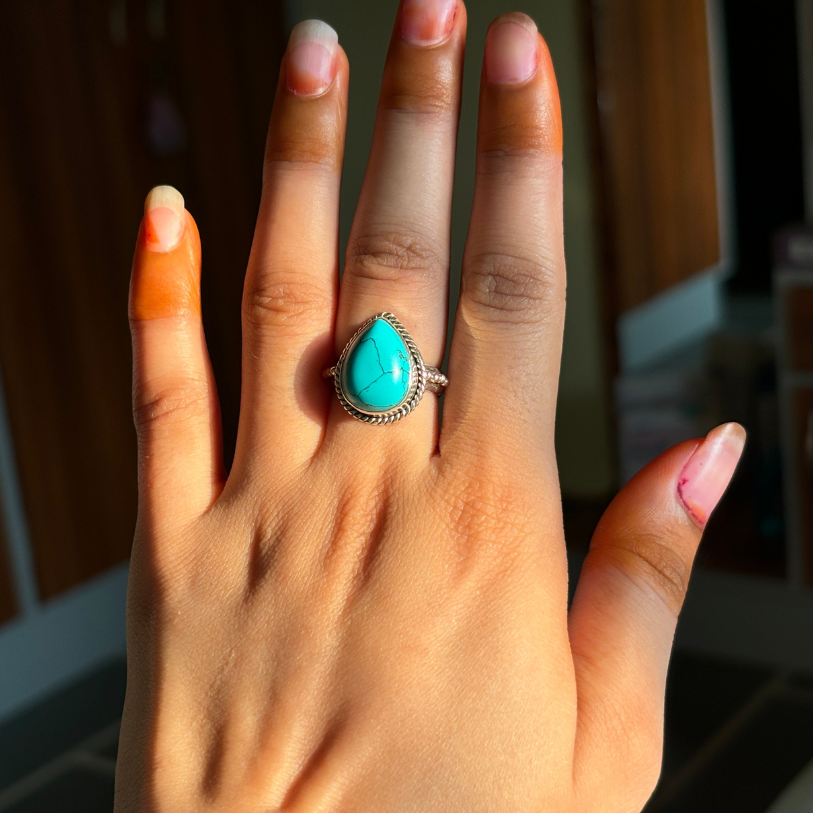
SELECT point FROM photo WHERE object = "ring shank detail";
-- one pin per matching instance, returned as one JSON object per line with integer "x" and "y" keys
{"x": 436, "y": 381}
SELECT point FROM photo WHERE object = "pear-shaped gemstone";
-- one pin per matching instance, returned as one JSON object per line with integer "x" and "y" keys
{"x": 375, "y": 375}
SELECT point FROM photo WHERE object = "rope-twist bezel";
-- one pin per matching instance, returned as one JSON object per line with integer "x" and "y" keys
{"x": 418, "y": 375}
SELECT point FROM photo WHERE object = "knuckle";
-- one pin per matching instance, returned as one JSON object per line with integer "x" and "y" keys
{"x": 505, "y": 146}
{"x": 186, "y": 400}
{"x": 503, "y": 286}
{"x": 301, "y": 150}
{"x": 649, "y": 558}
{"x": 393, "y": 255}
{"x": 430, "y": 95}
{"x": 283, "y": 299}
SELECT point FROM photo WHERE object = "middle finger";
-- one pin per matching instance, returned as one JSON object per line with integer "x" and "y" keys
{"x": 398, "y": 252}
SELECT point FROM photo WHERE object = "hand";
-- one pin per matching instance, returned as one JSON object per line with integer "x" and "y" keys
{"x": 374, "y": 618}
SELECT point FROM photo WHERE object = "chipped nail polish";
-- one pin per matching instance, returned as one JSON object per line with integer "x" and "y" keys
{"x": 709, "y": 470}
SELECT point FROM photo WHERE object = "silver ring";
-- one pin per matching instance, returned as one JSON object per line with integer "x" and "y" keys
{"x": 380, "y": 376}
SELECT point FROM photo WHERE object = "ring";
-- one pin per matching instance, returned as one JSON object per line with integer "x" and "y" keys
{"x": 380, "y": 376}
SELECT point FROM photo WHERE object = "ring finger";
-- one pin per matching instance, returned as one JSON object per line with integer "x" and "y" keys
{"x": 398, "y": 252}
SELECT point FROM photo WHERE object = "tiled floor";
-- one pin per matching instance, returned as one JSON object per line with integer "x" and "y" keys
{"x": 61, "y": 755}
{"x": 76, "y": 790}
{"x": 735, "y": 737}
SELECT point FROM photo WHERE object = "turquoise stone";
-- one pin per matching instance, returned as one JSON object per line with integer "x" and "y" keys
{"x": 375, "y": 375}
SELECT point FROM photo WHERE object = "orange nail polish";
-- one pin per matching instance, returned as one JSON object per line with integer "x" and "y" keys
{"x": 163, "y": 218}
{"x": 166, "y": 267}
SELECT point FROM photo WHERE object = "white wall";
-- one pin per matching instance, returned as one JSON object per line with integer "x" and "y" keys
{"x": 364, "y": 27}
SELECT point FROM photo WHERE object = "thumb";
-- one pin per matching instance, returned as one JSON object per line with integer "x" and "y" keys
{"x": 630, "y": 591}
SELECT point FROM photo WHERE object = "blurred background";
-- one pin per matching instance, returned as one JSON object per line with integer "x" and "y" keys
{"x": 688, "y": 185}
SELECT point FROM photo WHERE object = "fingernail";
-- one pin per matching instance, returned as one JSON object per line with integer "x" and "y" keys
{"x": 163, "y": 218}
{"x": 511, "y": 50}
{"x": 312, "y": 58}
{"x": 427, "y": 22}
{"x": 706, "y": 476}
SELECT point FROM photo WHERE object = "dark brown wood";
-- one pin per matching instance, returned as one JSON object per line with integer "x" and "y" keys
{"x": 799, "y": 315}
{"x": 654, "y": 96}
{"x": 63, "y": 341}
{"x": 802, "y": 411}
{"x": 75, "y": 165}
{"x": 607, "y": 282}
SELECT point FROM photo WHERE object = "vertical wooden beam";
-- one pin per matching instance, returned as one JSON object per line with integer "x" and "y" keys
{"x": 63, "y": 291}
{"x": 75, "y": 164}
{"x": 802, "y": 433}
{"x": 654, "y": 96}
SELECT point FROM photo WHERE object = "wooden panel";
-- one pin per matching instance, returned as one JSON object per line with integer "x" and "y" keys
{"x": 654, "y": 97}
{"x": 799, "y": 310}
{"x": 802, "y": 411}
{"x": 75, "y": 165}
{"x": 63, "y": 287}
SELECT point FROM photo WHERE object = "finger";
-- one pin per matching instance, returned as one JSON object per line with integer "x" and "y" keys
{"x": 507, "y": 340}
{"x": 175, "y": 404}
{"x": 627, "y": 601}
{"x": 398, "y": 251}
{"x": 290, "y": 290}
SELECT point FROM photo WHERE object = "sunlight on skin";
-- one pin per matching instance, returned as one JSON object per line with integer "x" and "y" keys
{"x": 375, "y": 618}
{"x": 504, "y": 52}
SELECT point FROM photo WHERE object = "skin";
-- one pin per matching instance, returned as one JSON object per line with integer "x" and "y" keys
{"x": 364, "y": 618}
